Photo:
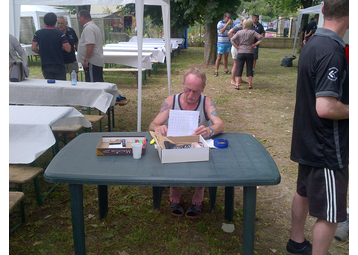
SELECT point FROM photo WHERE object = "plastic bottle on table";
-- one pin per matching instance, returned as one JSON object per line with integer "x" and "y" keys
{"x": 73, "y": 78}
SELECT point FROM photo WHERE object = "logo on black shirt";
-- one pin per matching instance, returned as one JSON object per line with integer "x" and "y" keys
{"x": 332, "y": 73}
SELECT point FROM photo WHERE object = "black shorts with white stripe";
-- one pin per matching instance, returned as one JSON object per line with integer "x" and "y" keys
{"x": 326, "y": 191}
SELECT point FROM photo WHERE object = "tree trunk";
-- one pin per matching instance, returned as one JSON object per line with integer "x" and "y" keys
{"x": 174, "y": 31}
{"x": 210, "y": 44}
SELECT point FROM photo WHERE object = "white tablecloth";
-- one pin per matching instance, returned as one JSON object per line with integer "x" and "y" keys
{"x": 175, "y": 42}
{"x": 127, "y": 58}
{"x": 100, "y": 95}
{"x": 30, "y": 132}
{"x": 157, "y": 54}
{"x": 147, "y": 45}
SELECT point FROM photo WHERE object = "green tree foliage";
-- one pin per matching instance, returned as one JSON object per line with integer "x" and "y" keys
{"x": 184, "y": 13}
{"x": 292, "y": 5}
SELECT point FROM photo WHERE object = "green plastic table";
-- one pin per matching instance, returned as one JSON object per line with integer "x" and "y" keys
{"x": 245, "y": 162}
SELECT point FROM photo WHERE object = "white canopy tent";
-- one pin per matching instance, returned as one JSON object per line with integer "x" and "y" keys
{"x": 37, "y": 11}
{"x": 14, "y": 29}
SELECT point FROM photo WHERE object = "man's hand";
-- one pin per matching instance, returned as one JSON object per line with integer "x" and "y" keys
{"x": 229, "y": 21}
{"x": 202, "y": 130}
{"x": 85, "y": 64}
{"x": 163, "y": 129}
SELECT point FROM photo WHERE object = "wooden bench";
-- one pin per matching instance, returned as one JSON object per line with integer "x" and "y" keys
{"x": 20, "y": 175}
{"x": 62, "y": 133}
{"x": 134, "y": 72}
{"x": 94, "y": 119}
{"x": 155, "y": 64}
{"x": 15, "y": 198}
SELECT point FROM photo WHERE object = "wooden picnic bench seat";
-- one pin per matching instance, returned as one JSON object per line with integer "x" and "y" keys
{"x": 94, "y": 119}
{"x": 155, "y": 64}
{"x": 62, "y": 133}
{"x": 20, "y": 175}
{"x": 15, "y": 198}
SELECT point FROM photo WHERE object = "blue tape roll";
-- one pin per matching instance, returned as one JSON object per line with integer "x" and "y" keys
{"x": 221, "y": 143}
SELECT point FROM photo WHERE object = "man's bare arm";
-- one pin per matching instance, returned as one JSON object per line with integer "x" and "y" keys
{"x": 157, "y": 124}
{"x": 331, "y": 108}
{"x": 211, "y": 112}
{"x": 34, "y": 47}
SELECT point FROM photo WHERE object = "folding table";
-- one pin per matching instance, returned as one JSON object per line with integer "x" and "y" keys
{"x": 245, "y": 162}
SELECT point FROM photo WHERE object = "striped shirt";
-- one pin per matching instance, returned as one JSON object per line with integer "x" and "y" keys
{"x": 223, "y": 38}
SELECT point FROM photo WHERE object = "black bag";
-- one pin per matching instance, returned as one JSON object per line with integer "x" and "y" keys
{"x": 287, "y": 61}
{"x": 18, "y": 71}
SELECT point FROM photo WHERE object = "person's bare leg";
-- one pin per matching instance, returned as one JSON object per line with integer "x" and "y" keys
{"x": 217, "y": 63}
{"x": 233, "y": 71}
{"x": 174, "y": 195}
{"x": 198, "y": 196}
{"x": 250, "y": 81}
{"x": 225, "y": 61}
{"x": 323, "y": 233}
{"x": 254, "y": 64}
{"x": 299, "y": 215}
{"x": 238, "y": 81}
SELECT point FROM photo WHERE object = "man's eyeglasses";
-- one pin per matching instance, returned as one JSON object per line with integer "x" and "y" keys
{"x": 190, "y": 90}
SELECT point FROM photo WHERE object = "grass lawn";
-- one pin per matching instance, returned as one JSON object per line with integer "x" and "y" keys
{"x": 131, "y": 226}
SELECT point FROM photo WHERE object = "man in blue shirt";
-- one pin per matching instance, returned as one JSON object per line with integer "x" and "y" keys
{"x": 223, "y": 45}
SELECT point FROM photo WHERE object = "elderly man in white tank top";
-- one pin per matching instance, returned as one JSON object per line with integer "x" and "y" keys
{"x": 210, "y": 124}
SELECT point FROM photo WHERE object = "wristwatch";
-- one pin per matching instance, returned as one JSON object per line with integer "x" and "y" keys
{"x": 85, "y": 60}
{"x": 211, "y": 131}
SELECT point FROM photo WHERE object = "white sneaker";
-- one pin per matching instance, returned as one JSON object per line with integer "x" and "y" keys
{"x": 342, "y": 230}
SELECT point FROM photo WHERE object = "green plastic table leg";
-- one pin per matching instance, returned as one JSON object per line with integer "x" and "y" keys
{"x": 229, "y": 203}
{"x": 78, "y": 225}
{"x": 102, "y": 200}
{"x": 249, "y": 220}
{"x": 212, "y": 194}
{"x": 157, "y": 196}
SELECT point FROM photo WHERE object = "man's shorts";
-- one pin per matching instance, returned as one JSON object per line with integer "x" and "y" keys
{"x": 326, "y": 191}
{"x": 256, "y": 52}
{"x": 223, "y": 48}
{"x": 71, "y": 66}
{"x": 234, "y": 52}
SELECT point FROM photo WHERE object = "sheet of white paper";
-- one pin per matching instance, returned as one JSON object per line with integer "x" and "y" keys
{"x": 182, "y": 123}
{"x": 112, "y": 146}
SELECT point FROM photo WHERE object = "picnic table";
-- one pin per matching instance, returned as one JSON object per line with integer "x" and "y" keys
{"x": 157, "y": 53}
{"x": 101, "y": 95}
{"x": 245, "y": 162}
{"x": 30, "y": 132}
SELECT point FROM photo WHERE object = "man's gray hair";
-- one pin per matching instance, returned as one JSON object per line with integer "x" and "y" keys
{"x": 62, "y": 17}
{"x": 197, "y": 72}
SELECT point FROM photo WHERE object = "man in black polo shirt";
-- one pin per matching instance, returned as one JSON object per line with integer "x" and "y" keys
{"x": 259, "y": 29}
{"x": 311, "y": 28}
{"x": 69, "y": 57}
{"x": 49, "y": 43}
{"x": 320, "y": 139}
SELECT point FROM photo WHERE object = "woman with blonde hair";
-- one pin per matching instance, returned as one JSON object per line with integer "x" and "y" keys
{"x": 244, "y": 41}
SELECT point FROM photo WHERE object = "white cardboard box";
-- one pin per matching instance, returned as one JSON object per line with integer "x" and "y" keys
{"x": 185, "y": 155}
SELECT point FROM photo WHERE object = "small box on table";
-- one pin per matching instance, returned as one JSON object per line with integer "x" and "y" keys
{"x": 119, "y": 145}
{"x": 187, "y": 154}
